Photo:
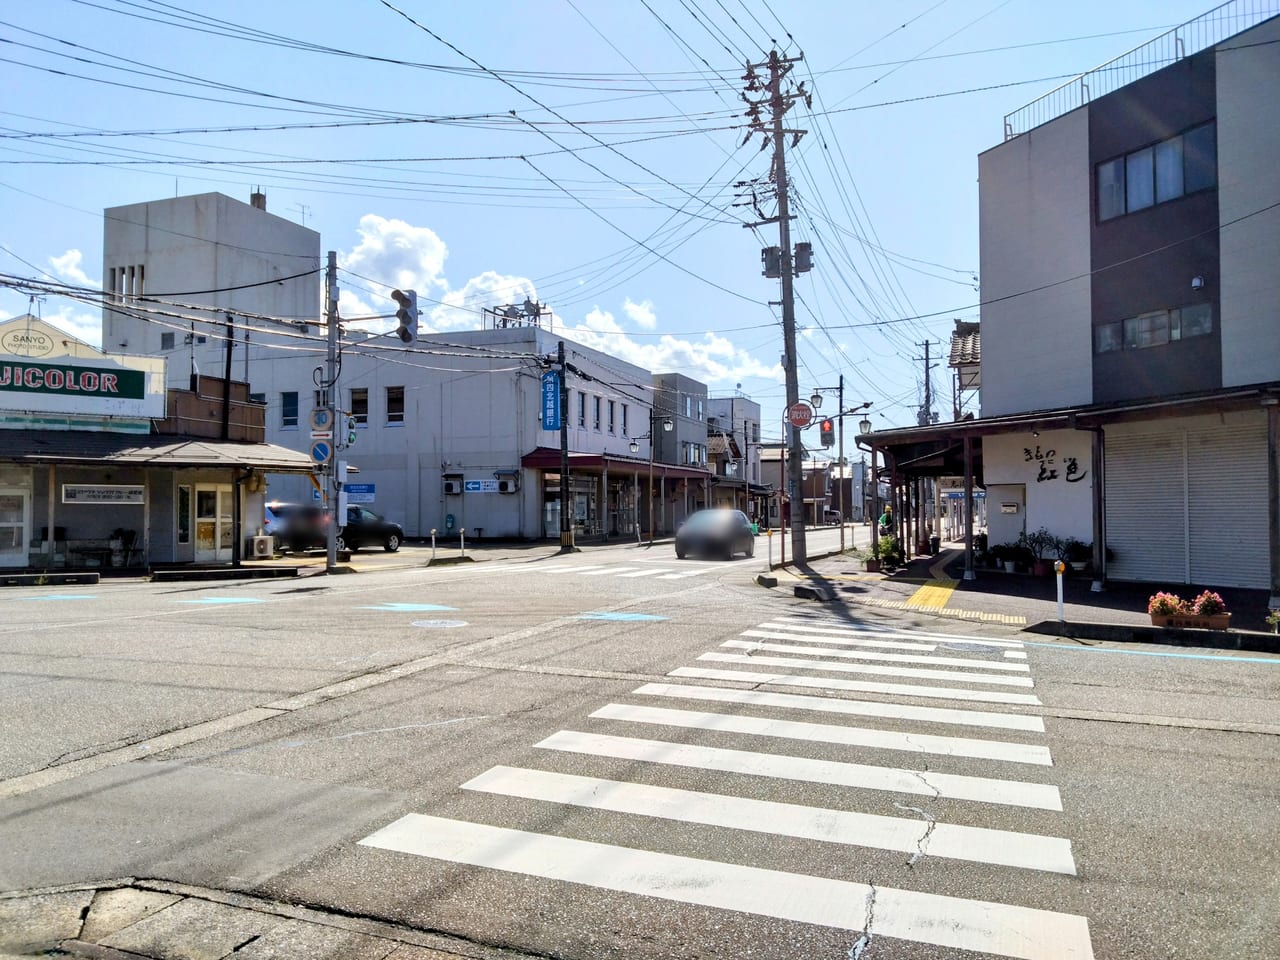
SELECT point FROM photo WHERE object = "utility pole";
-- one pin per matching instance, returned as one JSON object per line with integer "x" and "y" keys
{"x": 840, "y": 455}
{"x": 330, "y": 471}
{"x": 778, "y": 103}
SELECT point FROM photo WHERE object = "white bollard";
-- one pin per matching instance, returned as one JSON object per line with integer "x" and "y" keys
{"x": 1058, "y": 568}
{"x": 768, "y": 535}
{"x": 433, "y": 543}
{"x": 462, "y": 540}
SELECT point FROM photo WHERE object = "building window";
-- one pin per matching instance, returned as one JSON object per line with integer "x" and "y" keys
{"x": 624, "y": 421}
{"x": 320, "y": 398}
{"x": 613, "y": 410}
{"x": 395, "y": 405}
{"x": 596, "y": 404}
{"x": 582, "y": 409}
{"x": 166, "y": 341}
{"x": 688, "y": 405}
{"x": 699, "y": 408}
{"x": 1159, "y": 173}
{"x": 360, "y": 405}
{"x": 1154, "y": 329}
{"x": 258, "y": 398}
{"x": 289, "y": 409}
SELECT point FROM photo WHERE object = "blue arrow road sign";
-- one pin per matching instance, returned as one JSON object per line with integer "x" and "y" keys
{"x": 551, "y": 400}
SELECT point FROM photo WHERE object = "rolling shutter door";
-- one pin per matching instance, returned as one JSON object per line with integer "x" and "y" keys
{"x": 1147, "y": 507}
{"x": 1227, "y": 482}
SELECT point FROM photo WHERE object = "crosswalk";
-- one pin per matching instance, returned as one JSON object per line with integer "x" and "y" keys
{"x": 786, "y": 723}
{"x": 672, "y": 569}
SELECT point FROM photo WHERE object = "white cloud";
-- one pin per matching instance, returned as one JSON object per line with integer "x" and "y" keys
{"x": 641, "y": 314}
{"x": 461, "y": 308}
{"x": 74, "y": 320}
{"x": 712, "y": 359}
{"x": 397, "y": 253}
{"x": 67, "y": 266}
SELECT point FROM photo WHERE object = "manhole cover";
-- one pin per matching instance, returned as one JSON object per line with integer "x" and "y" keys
{"x": 439, "y": 624}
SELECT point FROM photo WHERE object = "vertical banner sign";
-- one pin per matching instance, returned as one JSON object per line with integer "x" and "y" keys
{"x": 551, "y": 400}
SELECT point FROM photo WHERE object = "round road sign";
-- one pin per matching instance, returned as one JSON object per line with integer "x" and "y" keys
{"x": 321, "y": 451}
{"x": 799, "y": 414}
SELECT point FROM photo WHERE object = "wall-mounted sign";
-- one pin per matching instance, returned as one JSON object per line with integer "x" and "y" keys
{"x": 102, "y": 493}
{"x": 65, "y": 379}
{"x": 361, "y": 492}
{"x": 26, "y": 343}
{"x": 551, "y": 400}
{"x": 1008, "y": 508}
{"x": 480, "y": 486}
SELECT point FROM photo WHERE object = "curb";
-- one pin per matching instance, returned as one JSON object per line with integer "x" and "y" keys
{"x": 1171, "y": 636}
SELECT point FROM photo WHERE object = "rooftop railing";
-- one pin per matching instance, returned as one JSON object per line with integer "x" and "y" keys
{"x": 1182, "y": 41}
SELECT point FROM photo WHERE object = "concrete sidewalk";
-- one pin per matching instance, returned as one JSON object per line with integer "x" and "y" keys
{"x": 129, "y": 919}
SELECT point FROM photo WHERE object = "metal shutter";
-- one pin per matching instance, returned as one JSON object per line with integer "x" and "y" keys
{"x": 1147, "y": 507}
{"x": 1227, "y": 483}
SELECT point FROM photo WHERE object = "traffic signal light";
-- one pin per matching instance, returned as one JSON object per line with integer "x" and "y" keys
{"x": 407, "y": 315}
{"x": 828, "y": 430}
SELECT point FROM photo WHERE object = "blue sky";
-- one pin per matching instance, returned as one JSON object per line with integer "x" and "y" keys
{"x": 579, "y": 151}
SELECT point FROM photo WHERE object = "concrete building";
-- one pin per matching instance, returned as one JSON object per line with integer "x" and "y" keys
{"x": 101, "y": 466}
{"x": 1130, "y": 376}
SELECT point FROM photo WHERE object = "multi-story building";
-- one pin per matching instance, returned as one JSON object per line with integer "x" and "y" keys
{"x": 1130, "y": 365}
{"x": 448, "y": 430}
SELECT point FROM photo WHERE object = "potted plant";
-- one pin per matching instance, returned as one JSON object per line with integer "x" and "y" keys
{"x": 890, "y": 552}
{"x": 1205, "y": 612}
{"x": 1041, "y": 544}
{"x": 1075, "y": 553}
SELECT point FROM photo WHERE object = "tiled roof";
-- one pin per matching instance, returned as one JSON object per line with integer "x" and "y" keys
{"x": 966, "y": 345}
{"x": 88, "y": 446}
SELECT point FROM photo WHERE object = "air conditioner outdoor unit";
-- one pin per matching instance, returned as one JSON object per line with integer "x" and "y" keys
{"x": 508, "y": 485}
{"x": 264, "y": 548}
{"x": 453, "y": 487}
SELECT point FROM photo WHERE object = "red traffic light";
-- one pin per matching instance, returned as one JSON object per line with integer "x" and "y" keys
{"x": 828, "y": 430}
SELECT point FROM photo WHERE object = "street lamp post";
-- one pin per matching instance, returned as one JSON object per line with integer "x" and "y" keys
{"x": 864, "y": 428}
{"x": 667, "y": 426}
{"x": 816, "y": 401}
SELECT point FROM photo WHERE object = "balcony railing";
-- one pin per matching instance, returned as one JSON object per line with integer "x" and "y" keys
{"x": 1182, "y": 41}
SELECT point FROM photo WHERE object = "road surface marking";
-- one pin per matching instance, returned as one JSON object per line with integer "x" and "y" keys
{"x": 1016, "y": 654}
{"x": 406, "y": 607}
{"x": 866, "y": 630}
{"x": 951, "y": 786}
{"x": 863, "y": 708}
{"x": 961, "y": 676}
{"x": 886, "y": 657}
{"x": 687, "y": 573}
{"x": 862, "y": 686}
{"x": 571, "y": 568}
{"x": 648, "y": 573}
{"x": 974, "y": 925}
{"x": 1003, "y": 750}
{"x": 602, "y": 571}
{"x": 976, "y": 844}
{"x": 637, "y": 617}
{"x": 224, "y": 600}
{"x": 777, "y": 631}
{"x": 933, "y": 595}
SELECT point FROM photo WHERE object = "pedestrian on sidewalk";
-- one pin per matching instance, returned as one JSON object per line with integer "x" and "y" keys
{"x": 886, "y": 521}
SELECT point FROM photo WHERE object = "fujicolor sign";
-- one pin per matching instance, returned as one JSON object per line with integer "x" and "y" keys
{"x": 49, "y": 378}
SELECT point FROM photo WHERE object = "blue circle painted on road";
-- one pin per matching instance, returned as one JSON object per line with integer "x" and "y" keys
{"x": 439, "y": 624}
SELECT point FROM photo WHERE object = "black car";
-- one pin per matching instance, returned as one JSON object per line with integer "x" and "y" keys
{"x": 365, "y": 528}
{"x": 716, "y": 533}
{"x": 302, "y": 528}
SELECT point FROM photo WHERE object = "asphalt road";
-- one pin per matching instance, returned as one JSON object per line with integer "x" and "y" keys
{"x": 619, "y": 754}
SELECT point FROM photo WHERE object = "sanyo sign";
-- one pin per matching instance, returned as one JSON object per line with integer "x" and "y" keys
{"x": 46, "y": 371}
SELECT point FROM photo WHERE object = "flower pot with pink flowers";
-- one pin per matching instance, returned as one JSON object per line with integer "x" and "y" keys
{"x": 1208, "y": 611}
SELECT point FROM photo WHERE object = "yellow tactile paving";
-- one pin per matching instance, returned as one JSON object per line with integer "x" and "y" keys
{"x": 935, "y": 594}
{"x": 1004, "y": 618}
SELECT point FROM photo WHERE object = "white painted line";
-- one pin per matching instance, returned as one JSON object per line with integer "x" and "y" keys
{"x": 975, "y": 925}
{"x": 687, "y": 573}
{"x": 885, "y": 657}
{"x": 603, "y": 571}
{"x": 861, "y": 708}
{"x": 861, "y": 686}
{"x": 844, "y": 625}
{"x": 648, "y": 573}
{"x": 570, "y": 568}
{"x": 863, "y": 776}
{"x": 1016, "y": 654}
{"x": 961, "y": 676}
{"x": 779, "y": 632}
{"x": 976, "y": 844}
{"x": 1003, "y": 750}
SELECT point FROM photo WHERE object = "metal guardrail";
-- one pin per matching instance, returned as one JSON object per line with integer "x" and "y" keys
{"x": 1182, "y": 41}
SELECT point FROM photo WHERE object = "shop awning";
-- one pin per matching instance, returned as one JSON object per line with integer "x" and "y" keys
{"x": 84, "y": 447}
{"x": 548, "y": 458}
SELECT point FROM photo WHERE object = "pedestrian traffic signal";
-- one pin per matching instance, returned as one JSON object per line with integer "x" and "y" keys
{"x": 828, "y": 430}
{"x": 407, "y": 315}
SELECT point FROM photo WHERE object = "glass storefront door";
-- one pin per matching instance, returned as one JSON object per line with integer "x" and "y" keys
{"x": 15, "y": 521}
{"x": 215, "y": 527}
